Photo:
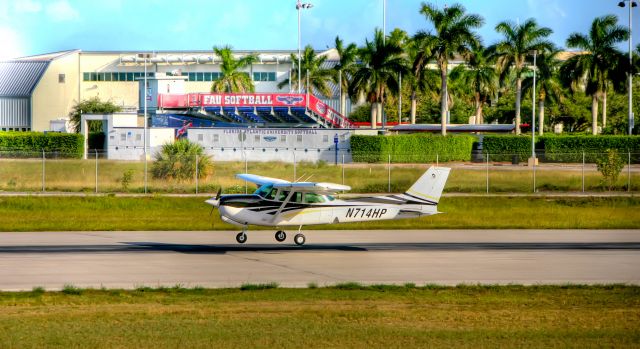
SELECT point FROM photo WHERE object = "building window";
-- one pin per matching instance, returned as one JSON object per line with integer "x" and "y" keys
{"x": 61, "y": 78}
{"x": 299, "y": 138}
{"x": 200, "y": 137}
{"x": 123, "y": 137}
{"x": 256, "y": 138}
{"x": 325, "y": 138}
{"x": 216, "y": 138}
{"x": 283, "y": 138}
{"x": 264, "y": 76}
{"x": 86, "y": 76}
{"x": 138, "y": 137}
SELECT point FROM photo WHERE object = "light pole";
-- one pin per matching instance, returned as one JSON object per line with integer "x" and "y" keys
{"x": 299, "y": 7}
{"x": 146, "y": 56}
{"x": 533, "y": 108}
{"x": 631, "y": 5}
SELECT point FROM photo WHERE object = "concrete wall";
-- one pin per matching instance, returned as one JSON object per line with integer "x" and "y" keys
{"x": 236, "y": 144}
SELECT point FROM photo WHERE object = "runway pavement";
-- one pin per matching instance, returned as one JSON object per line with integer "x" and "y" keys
{"x": 214, "y": 259}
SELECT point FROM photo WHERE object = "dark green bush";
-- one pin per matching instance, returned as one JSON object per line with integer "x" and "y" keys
{"x": 177, "y": 160}
{"x": 505, "y": 147}
{"x": 29, "y": 144}
{"x": 570, "y": 148}
{"x": 420, "y": 148}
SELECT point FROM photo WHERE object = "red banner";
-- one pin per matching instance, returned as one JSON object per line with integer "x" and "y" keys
{"x": 254, "y": 100}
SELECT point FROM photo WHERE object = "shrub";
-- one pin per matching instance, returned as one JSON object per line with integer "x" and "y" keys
{"x": 504, "y": 147}
{"x": 91, "y": 106}
{"x": 421, "y": 148}
{"x": 570, "y": 148}
{"x": 610, "y": 165}
{"x": 31, "y": 144}
{"x": 127, "y": 176}
{"x": 178, "y": 161}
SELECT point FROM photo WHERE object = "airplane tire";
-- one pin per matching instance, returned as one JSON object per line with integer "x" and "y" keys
{"x": 281, "y": 236}
{"x": 299, "y": 239}
{"x": 241, "y": 238}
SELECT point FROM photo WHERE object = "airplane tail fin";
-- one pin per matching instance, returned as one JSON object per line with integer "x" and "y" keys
{"x": 430, "y": 185}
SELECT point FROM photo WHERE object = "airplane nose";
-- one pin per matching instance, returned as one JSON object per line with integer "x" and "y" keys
{"x": 213, "y": 202}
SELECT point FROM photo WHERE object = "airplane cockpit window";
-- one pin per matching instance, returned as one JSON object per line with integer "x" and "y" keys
{"x": 272, "y": 194}
{"x": 264, "y": 190}
{"x": 283, "y": 195}
{"x": 330, "y": 197}
{"x": 296, "y": 197}
{"x": 313, "y": 198}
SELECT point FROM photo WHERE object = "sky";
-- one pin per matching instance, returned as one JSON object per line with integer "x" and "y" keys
{"x": 29, "y": 27}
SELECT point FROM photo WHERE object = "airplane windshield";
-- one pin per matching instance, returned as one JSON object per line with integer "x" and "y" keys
{"x": 264, "y": 190}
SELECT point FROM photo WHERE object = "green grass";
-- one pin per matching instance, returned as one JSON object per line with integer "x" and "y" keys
{"x": 189, "y": 213}
{"x": 376, "y": 316}
{"x": 80, "y": 175}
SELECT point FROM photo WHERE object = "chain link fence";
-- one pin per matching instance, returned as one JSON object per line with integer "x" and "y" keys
{"x": 485, "y": 173}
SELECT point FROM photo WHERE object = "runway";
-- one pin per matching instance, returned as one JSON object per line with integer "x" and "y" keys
{"x": 214, "y": 259}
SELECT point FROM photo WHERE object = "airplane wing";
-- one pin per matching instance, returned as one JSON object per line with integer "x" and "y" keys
{"x": 260, "y": 180}
{"x": 312, "y": 187}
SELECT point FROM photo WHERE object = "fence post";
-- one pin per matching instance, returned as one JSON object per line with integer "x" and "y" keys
{"x": 487, "y": 173}
{"x": 196, "y": 173}
{"x": 295, "y": 175}
{"x": 437, "y": 159}
{"x": 629, "y": 173}
{"x": 96, "y": 150}
{"x": 43, "y": 157}
{"x": 246, "y": 170}
{"x": 533, "y": 161}
{"x": 342, "y": 168}
{"x": 389, "y": 174}
{"x": 583, "y": 171}
{"x": 145, "y": 169}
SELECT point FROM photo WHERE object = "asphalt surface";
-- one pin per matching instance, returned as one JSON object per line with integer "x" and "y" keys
{"x": 214, "y": 259}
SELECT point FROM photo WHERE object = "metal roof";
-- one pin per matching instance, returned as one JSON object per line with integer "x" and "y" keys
{"x": 19, "y": 78}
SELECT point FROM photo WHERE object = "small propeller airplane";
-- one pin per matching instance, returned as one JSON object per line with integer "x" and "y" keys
{"x": 279, "y": 203}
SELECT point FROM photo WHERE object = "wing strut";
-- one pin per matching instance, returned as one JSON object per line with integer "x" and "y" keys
{"x": 284, "y": 203}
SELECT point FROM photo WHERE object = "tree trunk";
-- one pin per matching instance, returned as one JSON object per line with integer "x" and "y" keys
{"x": 478, "y": 120}
{"x": 374, "y": 112}
{"x": 379, "y": 114}
{"x": 518, "y": 97}
{"x": 541, "y": 117}
{"x": 594, "y": 114}
{"x": 343, "y": 104}
{"x": 414, "y": 106}
{"x": 604, "y": 110}
{"x": 443, "y": 98}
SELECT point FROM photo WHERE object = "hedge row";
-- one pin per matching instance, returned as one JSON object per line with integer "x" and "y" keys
{"x": 558, "y": 148}
{"x": 411, "y": 148}
{"x": 66, "y": 144}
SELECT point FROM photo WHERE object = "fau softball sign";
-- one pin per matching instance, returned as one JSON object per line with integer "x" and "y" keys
{"x": 250, "y": 100}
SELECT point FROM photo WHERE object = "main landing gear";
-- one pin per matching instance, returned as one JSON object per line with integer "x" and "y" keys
{"x": 299, "y": 239}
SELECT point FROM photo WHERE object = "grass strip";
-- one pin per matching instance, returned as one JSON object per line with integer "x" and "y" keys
{"x": 178, "y": 213}
{"x": 348, "y": 315}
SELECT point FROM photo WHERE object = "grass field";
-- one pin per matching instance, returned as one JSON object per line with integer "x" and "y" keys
{"x": 80, "y": 175}
{"x": 346, "y": 316}
{"x": 191, "y": 213}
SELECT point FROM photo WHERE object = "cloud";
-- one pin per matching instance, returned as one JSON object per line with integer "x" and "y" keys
{"x": 27, "y": 6}
{"x": 10, "y": 43}
{"x": 61, "y": 11}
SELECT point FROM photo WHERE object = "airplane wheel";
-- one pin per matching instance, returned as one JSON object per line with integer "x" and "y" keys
{"x": 241, "y": 238}
{"x": 299, "y": 239}
{"x": 281, "y": 236}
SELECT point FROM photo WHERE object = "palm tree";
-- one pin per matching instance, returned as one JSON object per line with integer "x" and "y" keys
{"x": 420, "y": 51}
{"x": 601, "y": 63}
{"x": 377, "y": 73}
{"x": 479, "y": 77}
{"x": 511, "y": 53}
{"x": 233, "y": 79}
{"x": 453, "y": 35}
{"x": 344, "y": 69}
{"x": 548, "y": 86}
{"x": 314, "y": 77}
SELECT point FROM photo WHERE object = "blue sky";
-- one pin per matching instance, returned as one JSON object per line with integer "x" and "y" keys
{"x": 38, "y": 26}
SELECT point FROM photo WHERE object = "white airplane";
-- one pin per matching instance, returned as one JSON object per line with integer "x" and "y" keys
{"x": 279, "y": 203}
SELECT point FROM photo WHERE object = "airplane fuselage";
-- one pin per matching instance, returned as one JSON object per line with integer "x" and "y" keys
{"x": 256, "y": 210}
